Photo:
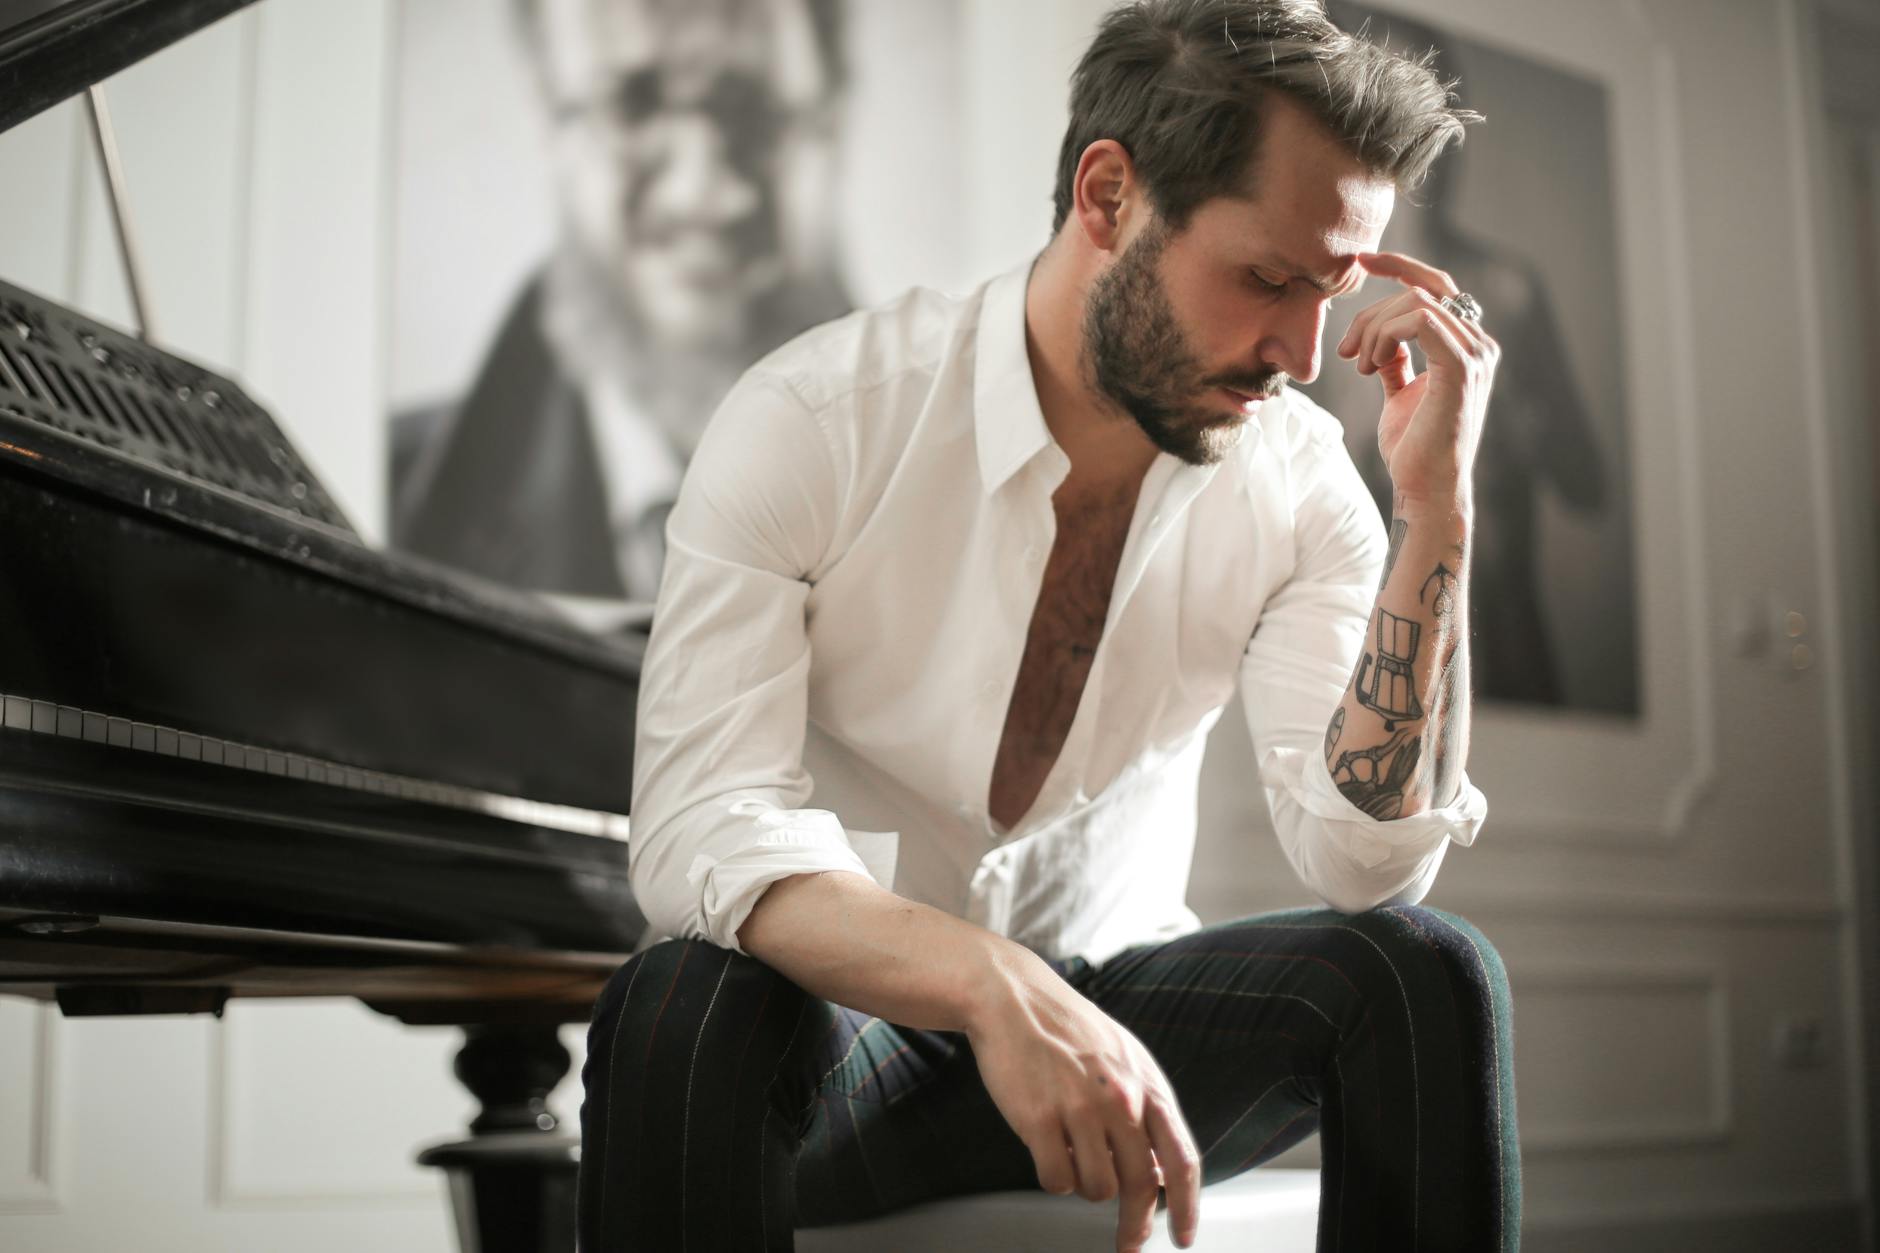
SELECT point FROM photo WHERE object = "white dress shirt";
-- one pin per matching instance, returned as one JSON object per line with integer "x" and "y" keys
{"x": 850, "y": 575}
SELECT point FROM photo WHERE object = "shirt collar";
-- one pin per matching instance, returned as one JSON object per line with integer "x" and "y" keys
{"x": 1008, "y": 422}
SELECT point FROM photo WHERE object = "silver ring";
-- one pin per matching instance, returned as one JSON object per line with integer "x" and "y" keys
{"x": 1464, "y": 306}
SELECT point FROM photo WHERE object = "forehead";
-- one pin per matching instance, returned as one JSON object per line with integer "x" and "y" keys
{"x": 589, "y": 44}
{"x": 1311, "y": 199}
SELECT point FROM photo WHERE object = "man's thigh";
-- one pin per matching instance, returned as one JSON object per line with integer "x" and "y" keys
{"x": 1247, "y": 1019}
{"x": 900, "y": 1116}
{"x": 1279, "y": 1024}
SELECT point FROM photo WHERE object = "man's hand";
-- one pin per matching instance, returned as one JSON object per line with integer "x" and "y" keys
{"x": 1088, "y": 1100}
{"x": 1431, "y": 422}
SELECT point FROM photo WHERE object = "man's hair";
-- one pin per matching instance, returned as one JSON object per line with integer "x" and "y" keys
{"x": 1180, "y": 85}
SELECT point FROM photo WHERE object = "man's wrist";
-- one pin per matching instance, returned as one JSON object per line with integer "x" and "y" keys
{"x": 995, "y": 986}
{"x": 1455, "y": 510}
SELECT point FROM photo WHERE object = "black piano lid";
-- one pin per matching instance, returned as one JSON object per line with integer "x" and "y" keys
{"x": 50, "y": 50}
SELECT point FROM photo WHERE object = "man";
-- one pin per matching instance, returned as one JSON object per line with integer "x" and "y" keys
{"x": 978, "y": 575}
{"x": 692, "y": 145}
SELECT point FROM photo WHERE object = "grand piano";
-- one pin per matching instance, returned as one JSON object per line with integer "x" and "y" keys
{"x": 244, "y": 754}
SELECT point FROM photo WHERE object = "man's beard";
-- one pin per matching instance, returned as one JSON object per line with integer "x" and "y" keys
{"x": 1138, "y": 358}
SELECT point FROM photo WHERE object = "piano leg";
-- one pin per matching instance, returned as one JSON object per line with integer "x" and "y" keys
{"x": 512, "y": 1183}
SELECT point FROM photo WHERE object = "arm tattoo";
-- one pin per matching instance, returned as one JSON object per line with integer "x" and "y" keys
{"x": 1443, "y": 599}
{"x": 1374, "y": 779}
{"x": 1386, "y": 681}
{"x": 1334, "y": 731}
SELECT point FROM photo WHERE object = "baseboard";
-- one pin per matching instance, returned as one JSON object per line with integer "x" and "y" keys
{"x": 1832, "y": 1228}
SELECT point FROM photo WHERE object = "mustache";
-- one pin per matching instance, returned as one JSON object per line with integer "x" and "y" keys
{"x": 1263, "y": 385}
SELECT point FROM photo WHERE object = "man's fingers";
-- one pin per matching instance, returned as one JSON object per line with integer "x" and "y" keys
{"x": 1407, "y": 269}
{"x": 1096, "y": 1176}
{"x": 1361, "y": 337}
{"x": 1441, "y": 334}
{"x": 1379, "y": 355}
{"x": 1180, "y": 1164}
{"x": 1429, "y": 328}
{"x": 1056, "y": 1173}
{"x": 1354, "y": 334}
{"x": 1135, "y": 1168}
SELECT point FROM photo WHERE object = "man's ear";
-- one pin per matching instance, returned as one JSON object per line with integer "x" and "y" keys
{"x": 1105, "y": 193}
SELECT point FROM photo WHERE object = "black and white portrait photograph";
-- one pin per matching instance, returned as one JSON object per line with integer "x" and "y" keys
{"x": 606, "y": 211}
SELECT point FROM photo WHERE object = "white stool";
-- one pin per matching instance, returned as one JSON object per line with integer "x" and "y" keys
{"x": 1264, "y": 1209}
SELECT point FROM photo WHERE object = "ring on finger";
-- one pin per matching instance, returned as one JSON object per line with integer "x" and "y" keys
{"x": 1464, "y": 306}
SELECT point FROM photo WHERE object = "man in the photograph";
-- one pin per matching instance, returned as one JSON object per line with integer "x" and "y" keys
{"x": 693, "y": 143}
{"x": 957, "y": 588}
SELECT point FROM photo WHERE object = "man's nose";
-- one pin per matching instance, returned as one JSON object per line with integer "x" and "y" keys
{"x": 1293, "y": 342}
{"x": 697, "y": 183}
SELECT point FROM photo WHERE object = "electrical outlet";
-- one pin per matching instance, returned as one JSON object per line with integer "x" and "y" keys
{"x": 1799, "y": 1042}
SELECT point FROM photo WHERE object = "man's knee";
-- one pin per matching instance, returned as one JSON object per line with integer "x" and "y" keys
{"x": 1418, "y": 934}
{"x": 668, "y": 998}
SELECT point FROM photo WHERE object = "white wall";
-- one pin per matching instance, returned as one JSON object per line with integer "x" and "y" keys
{"x": 1666, "y": 895}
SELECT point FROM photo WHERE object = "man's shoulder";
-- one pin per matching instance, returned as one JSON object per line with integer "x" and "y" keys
{"x": 910, "y": 337}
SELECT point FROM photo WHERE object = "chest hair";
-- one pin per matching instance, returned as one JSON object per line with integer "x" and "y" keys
{"x": 1066, "y": 627}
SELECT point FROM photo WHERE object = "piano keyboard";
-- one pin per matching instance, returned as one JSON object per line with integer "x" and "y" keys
{"x": 39, "y": 717}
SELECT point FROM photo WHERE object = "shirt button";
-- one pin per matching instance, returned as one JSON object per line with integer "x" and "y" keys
{"x": 991, "y": 687}
{"x": 1031, "y": 555}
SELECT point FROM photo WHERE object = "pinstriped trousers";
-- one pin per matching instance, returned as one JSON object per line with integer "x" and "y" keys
{"x": 725, "y": 1107}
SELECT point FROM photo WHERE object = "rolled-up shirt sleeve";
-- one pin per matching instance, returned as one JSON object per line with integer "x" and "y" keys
{"x": 1294, "y": 674}
{"x": 719, "y": 788}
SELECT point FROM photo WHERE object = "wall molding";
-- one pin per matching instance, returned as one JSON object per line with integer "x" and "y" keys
{"x": 1718, "y": 1121}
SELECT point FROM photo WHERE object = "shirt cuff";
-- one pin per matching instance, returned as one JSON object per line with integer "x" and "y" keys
{"x": 1366, "y": 840}
{"x": 789, "y": 842}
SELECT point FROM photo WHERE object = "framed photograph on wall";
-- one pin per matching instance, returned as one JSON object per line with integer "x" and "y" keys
{"x": 1523, "y": 215}
{"x": 605, "y": 211}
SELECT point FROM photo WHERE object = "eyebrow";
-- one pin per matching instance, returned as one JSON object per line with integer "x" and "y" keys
{"x": 1319, "y": 285}
{"x": 1336, "y": 290}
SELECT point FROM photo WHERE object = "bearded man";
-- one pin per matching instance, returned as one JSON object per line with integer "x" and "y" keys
{"x": 956, "y": 590}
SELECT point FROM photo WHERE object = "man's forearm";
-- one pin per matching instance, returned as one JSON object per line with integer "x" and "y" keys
{"x": 1396, "y": 744}
{"x": 843, "y": 937}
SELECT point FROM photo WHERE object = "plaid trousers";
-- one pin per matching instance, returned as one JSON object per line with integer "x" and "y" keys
{"x": 725, "y": 1107}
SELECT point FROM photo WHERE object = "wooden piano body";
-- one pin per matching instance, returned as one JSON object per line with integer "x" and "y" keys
{"x": 244, "y": 754}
